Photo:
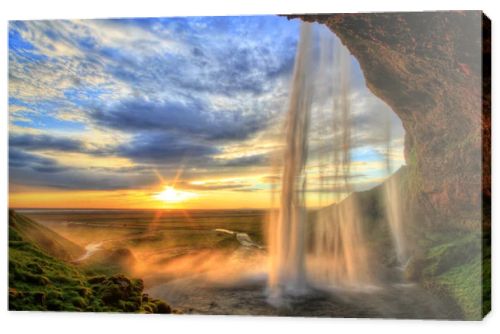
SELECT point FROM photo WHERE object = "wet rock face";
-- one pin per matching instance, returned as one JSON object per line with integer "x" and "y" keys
{"x": 427, "y": 68}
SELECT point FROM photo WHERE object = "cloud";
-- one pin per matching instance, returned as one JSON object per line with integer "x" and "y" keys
{"x": 36, "y": 170}
{"x": 165, "y": 92}
{"x": 224, "y": 55}
{"x": 192, "y": 118}
{"x": 165, "y": 148}
{"x": 78, "y": 179}
{"x": 155, "y": 58}
{"x": 213, "y": 186}
{"x": 19, "y": 159}
{"x": 154, "y": 147}
{"x": 251, "y": 160}
{"x": 45, "y": 142}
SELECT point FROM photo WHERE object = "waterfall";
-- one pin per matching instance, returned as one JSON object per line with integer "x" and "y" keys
{"x": 340, "y": 257}
{"x": 393, "y": 201}
{"x": 287, "y": 237}
{"x": 337, "y": 255}
{"x": 394, "y": 216}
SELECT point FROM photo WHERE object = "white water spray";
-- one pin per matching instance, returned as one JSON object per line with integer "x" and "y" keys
{"x": 338, "y": 255}
{"x": 394, "y": 216}
{"x": 393, "y": 204}
{"x": 287, "y": 238}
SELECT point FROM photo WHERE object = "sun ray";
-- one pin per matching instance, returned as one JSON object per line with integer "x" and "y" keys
{"x": 170, "y": 195}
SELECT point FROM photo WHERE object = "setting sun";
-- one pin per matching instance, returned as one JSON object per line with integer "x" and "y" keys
{"x": 171, "y": 195}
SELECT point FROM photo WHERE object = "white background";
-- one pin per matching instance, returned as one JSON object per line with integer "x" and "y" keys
{"x": 41, "y": 322}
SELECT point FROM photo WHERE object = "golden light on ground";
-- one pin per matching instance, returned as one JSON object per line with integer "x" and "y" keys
{"x": 172, "y": 195}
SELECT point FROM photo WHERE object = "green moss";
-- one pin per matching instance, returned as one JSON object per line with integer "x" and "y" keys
{"x": 464, "y": 284}
{"x": 452, "y": 251}
{"x": 46, "y": 239}
{"x": 486, "y": 272}
{"x": 486, "y": 287}
{"x": 38, "y": 281}
{"x": 454, "y": 267}
{"x": 107, "y": 269}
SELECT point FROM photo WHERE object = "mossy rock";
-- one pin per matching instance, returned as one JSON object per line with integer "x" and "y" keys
{"x": 162, "y": 307}
{"x": 35, "y": 268}
{"x": 148, "y": 309}
{"x": 79, "y": 302}
{"x": 453, "y": 268}
{"x": 39, "y": 298}
{"x": 96, "y": 279}
{"x": 38, "y": 281}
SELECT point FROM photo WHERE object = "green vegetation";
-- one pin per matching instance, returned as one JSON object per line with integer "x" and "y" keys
{"x": 454, "y": 267}
{"x": 486, "y": 271}
{"x": 39, "y": 281}
{"x": 46, "y": 239}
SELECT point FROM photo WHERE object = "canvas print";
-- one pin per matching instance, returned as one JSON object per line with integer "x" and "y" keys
{"x": 329, "y": 165}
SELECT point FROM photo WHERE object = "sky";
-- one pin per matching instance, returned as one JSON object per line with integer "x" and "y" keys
{"x": 166, "y": 113}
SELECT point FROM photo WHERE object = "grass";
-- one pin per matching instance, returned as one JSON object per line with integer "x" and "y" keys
{"x": 464, "y": 284}
{"x": 454, "y": 267}
{"x": 48, "y": 240}
{"x": 486, "y": 271}
{"x": 40, "y": 282}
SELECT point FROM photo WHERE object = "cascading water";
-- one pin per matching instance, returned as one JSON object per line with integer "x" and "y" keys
{"x": 394, "y": 216}
{"x": 338, "y": 255}
{"x": 341, "y": 259}
{"x": 287, "y": 238}
{"x": 392, "y": 194}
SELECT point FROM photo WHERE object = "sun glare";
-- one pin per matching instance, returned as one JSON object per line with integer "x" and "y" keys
{"x": 171, "y": 195}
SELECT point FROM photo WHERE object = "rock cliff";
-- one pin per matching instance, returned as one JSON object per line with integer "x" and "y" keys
{"x": 428, "y": 68}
